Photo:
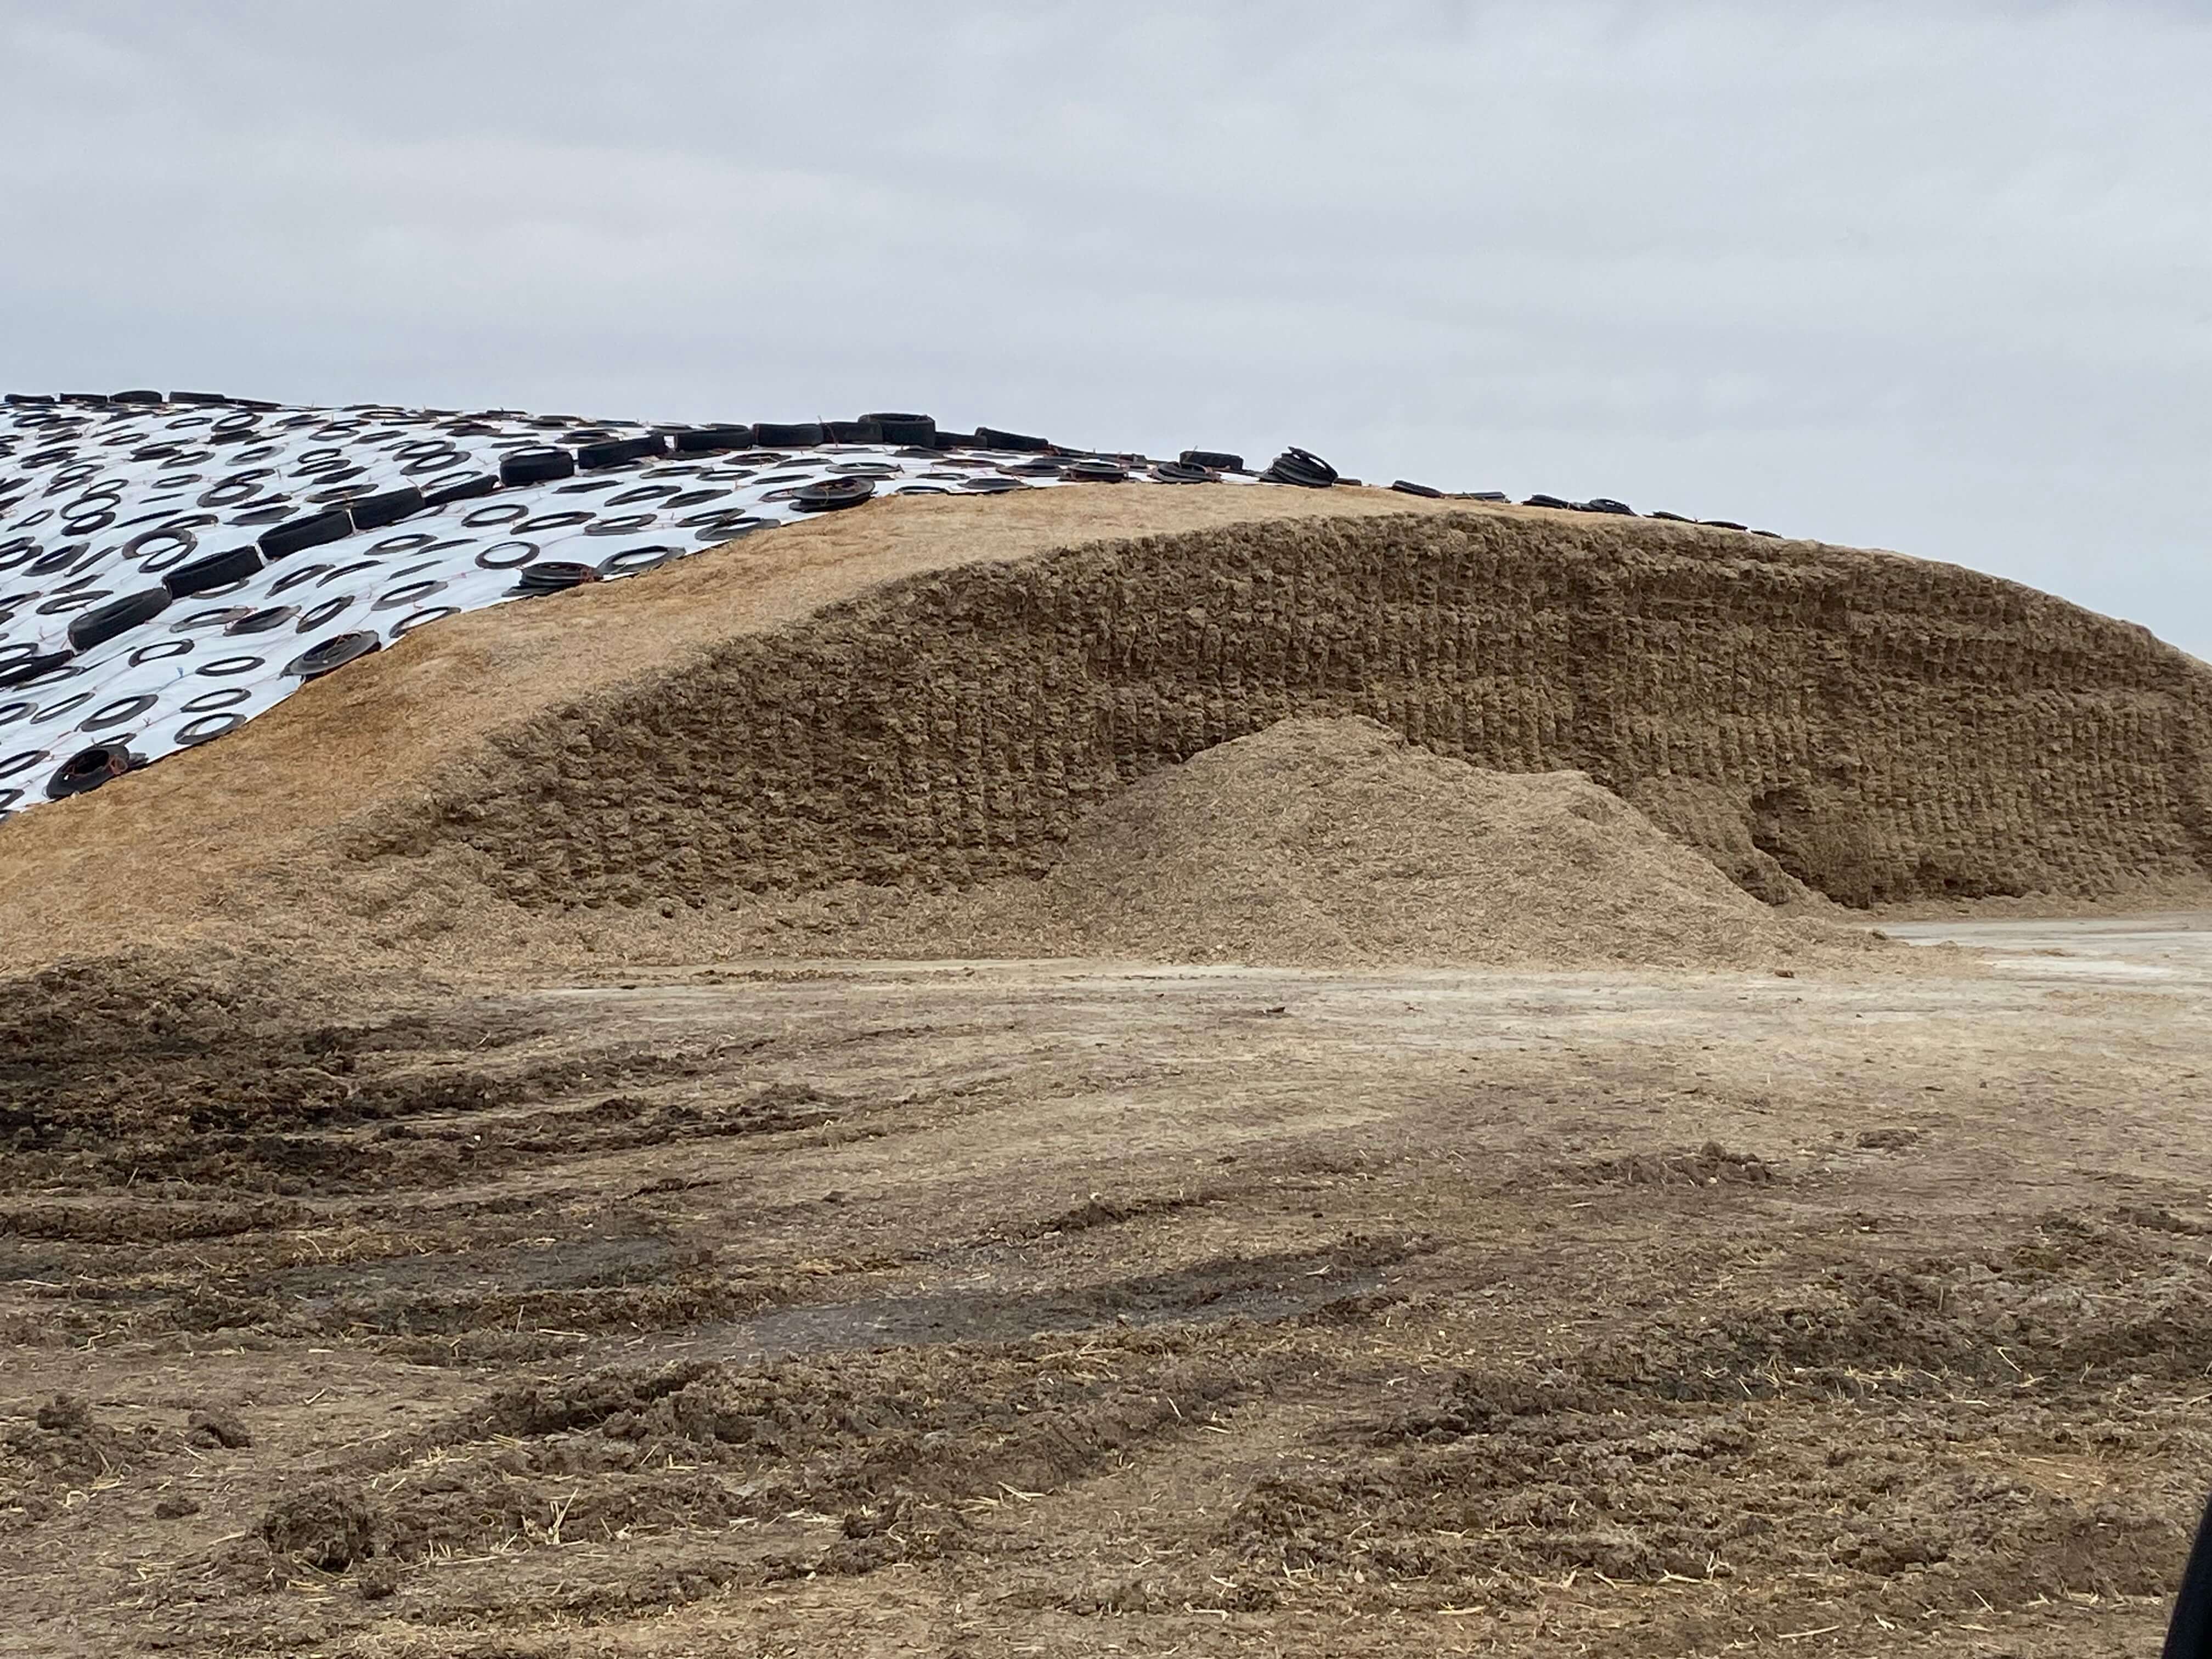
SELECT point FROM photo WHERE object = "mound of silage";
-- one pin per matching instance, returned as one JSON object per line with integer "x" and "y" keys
{"x": 1334, "y": 842}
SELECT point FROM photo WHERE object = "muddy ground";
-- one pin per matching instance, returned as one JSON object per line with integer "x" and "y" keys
{"x": 1067, "y": 1309}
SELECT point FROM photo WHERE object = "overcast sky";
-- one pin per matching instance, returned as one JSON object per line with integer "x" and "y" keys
{"x": 1932, "y": 278}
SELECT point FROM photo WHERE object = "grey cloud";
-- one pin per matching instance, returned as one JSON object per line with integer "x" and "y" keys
{"x": 1936, "y": 277}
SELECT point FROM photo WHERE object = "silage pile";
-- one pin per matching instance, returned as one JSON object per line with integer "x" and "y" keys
{"x": 1336, "y": 843}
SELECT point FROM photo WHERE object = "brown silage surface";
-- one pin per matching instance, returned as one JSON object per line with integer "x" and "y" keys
{"x": 191, "y": 848}
{"x": 808, "y": 733}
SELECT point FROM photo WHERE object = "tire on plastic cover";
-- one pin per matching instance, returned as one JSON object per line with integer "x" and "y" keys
{"x": 616, "y": 451}
{"x": 385, "y": 507}
{"x": 280, "y": 541}
{"x": 537, "y": 466}
{"x": 783, "y": 434}
{"x": 832, "y": 495}
{"x": 554, "y": 576}
{"x": 990, "y": 437}
{"x": 119, "y": 615}
{"x": 216, "y": 570}
{"x": 1301, "y": 467}
{"x": 23, "y": 670}
{"x": 706, "y": 439}
{"x": 88, "y": 769}
{"x": 920, "y": 430}
{"x": 462, "y": 489}
{"x": 319, "y": 659}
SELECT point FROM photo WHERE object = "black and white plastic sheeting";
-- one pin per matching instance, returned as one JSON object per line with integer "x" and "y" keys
{"x": 171, "y": 567}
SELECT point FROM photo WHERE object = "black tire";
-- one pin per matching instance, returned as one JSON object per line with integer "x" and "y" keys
{"x": 617, "y": 452}
{"x": 118, "y": 616}
{"x": 134, "y": 397}
{"x": 216, "y": 570}
{"x": 538, "y": 525}
{"x": 623, "y": 524}
{"x": 207, "y": 729}
{"x": 990, "y": 437}
{"x": 182, "y": 544}
{"x": 1406, "y": 486}
{"x": 228, "y": 696}
{"x": 1488, "y": 496}
{"x": 537, "y": 466}
{"x": 728, "y": 527}
{"x": 833, "y": 494}
{"x": 1548, "y": 501}
{"x": 1182, "y": 473}
{"x": 407, "y": 593}
{"x": 61, "y": 559}
{"x": 554, "y": 576}
{"x": 941, "y": 441}
{"x": 778, "y": 434}
{"x": 89, "y": 768}
{"x": 299, "y": 577}
{"x": 633, "y": 561}
{"x": 300, "y": 534}
{"x": 851, "y": 432}
{"x": 385, "y": 507}
{"x": 89, "y": 771}
{"x": 992, "y": 483}
{"x": 707, "y": 440}
{"x": 463, "y": 490}
{"x": 1607, "y": 504}
{"x": 1722, "y": 524}
{"x": 266, "y": 620}
{"x": 429, "y": 614}
{"x": 919, "y": 430}
{"x": 236, "y": 491}
{"x": 312, "y": 619}
{"x": 655, "y": 493}
{"x": 226, "y": 668}
{"x": 24, "y": 670}
{"x": 1095, "y": 472}
{"x": 1302, "y": 468}
{"x": 200, "y": 397}
{"x": 207, "y": 620}
{"x": 1214, "y": 460}
{"x": 1671, "y": 517}
{"x": 336, "y": 651}
{"x": 508, "y": 552}
{"x": 121, "y": 712}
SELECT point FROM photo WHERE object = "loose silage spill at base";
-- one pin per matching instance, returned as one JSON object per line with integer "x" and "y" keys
{"x": 855, "y": 1310}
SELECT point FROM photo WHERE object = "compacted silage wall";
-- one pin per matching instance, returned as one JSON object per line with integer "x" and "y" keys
{"x": 1877, "y": 727}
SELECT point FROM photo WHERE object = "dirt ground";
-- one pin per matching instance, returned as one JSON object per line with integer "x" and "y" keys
{"x": 1069, "y": 1308}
